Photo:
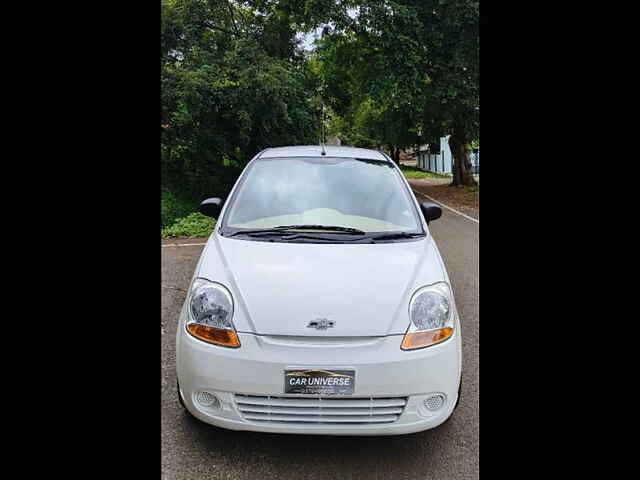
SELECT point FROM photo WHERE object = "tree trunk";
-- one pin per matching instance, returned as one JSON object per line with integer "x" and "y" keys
{"x": 459, "y": 147}
{"x": 395, "y": 154}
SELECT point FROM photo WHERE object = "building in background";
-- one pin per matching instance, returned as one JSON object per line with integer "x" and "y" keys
{"x": 442, "y": 162}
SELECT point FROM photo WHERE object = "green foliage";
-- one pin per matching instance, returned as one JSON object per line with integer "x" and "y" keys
{"x": 173, "y": 207}
{"x": 403, "y": 72}
{"x": 233, "y": 84}
{"x": 193, "y": 225}
{"x": 392, "y": 74}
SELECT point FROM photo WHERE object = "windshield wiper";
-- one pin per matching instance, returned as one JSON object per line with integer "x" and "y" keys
{"x": 394, "y": 235}
{"x": 285, "y": 228}
{"x": 331, "y": 228}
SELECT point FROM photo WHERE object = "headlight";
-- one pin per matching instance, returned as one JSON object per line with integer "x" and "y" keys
{"x": 431, "y": 314}
{"x": 210, "y": 314}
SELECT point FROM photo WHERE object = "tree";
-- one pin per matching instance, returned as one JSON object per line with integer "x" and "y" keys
{"x": 450, "y": 35}
{"x": 355, "y": 74}
{"x": 233, "y": 83}
{"x": 391, "y": 74}
{"x": 414, "y": 57}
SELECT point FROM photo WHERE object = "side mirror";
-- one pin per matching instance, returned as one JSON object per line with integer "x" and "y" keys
{"x": 431, "y": 211}
{"x": 211, "y": 207}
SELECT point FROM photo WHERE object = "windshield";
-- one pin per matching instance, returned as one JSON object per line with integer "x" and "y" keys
{"x": 342, "y": 192}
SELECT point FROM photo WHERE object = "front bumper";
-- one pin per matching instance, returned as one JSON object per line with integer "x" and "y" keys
{"x": 382, "y": 369}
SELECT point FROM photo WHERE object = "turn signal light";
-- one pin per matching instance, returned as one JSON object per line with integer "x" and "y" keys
{"x": 217, "y": 336}
{"x": 413, "y": 340}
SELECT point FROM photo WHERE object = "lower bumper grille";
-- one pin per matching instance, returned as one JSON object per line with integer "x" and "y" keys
{"x": 320, "y": 410}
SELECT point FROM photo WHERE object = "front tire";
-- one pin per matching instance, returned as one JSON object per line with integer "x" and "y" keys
{"x": 182, "y": 402}
{"x": 459, "y": 392}
{"x": 180, "y": 396}
{"x": 456, "y": 405}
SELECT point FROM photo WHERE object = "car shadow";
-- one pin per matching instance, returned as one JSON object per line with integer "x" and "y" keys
{"x": 324, "y": 455}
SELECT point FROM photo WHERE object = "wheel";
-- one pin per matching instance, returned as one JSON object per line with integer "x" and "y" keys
{"x": 186, "y": 410}
{"x": 459, "y": 392}
{"x": 182, "y": 402}
{"x": 180, "y": 396}
{"x": 455, "y": 406}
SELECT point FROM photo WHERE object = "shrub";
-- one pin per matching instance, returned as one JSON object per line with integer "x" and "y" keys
{"x": 173, "y": 207}
{"x": 193, "y": 225}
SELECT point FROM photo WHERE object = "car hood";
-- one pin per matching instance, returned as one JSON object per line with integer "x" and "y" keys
{"x": 278, "y": 288}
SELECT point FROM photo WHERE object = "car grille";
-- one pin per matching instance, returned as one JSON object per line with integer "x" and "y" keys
{"x": 320, "y": 410}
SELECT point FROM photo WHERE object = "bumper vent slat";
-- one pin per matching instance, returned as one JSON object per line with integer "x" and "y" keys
{"x": 317, "y": 419}
{"x": 317, "y": 411}
{"x": 326, "y": 402}
{"x": 320, "y": 410}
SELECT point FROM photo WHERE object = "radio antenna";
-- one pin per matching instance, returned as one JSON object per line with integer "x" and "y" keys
{"x": 322, "y": 152}
{"x": 325, "y": 31}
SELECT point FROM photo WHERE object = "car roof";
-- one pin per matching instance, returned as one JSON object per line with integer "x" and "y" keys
{"x": 315, "y": 151}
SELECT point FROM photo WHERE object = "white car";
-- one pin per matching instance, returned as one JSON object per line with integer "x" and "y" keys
{"x": 320, "y": 303}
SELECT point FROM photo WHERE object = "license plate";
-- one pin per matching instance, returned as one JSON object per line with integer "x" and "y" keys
{"x": 320, "y": 381}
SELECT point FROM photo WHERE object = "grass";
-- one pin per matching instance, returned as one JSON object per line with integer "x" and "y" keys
{"x": 193, "y": 225}
{"x": 412, "y": 172}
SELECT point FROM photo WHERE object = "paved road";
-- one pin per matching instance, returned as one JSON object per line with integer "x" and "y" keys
{"x": 193, "y": 450}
